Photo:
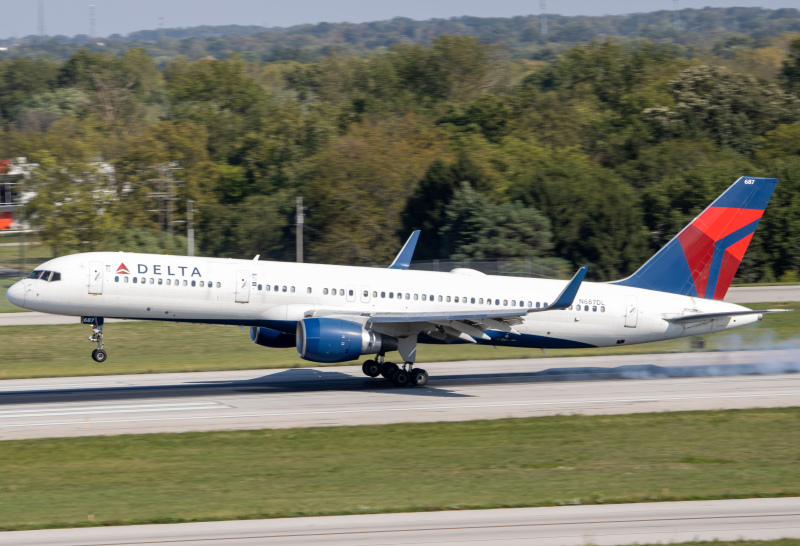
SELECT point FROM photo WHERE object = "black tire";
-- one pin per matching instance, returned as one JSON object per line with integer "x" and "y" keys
{"x": 371, "y": 368}
{"x": 400, "y": 378}
{"x": 99, "y": 355}
{"x": 388, "y": 369}
{"x": 419, "y": 377}
{"x": 364, "y": 367}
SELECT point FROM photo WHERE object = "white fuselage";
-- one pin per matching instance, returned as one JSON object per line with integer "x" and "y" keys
{"x": 278, "y": 294}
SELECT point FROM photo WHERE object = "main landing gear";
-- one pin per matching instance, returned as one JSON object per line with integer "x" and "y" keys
{"x": 401, "y": 377}
{"x": 99, "y": 354}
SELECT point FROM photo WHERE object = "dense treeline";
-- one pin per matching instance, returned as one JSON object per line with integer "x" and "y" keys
{"x": 729, "y": 30}
{"x": 597, "y": 157}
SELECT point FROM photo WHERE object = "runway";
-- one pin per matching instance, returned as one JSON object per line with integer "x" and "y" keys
{"x": 458, "y": 391}
{"x": 666, "y": 522}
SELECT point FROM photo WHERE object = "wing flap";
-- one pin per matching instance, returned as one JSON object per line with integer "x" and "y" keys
{"x": 710, "y": 316}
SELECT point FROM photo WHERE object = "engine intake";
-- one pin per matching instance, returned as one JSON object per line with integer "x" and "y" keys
{"x": 267, "y": 337}
{"x": 336, "y": 340}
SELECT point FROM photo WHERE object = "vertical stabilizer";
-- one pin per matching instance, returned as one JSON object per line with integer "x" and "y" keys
{"x": 702, "y": 259}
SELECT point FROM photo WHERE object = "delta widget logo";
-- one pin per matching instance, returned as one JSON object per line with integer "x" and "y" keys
{"x": 123, "y": 270}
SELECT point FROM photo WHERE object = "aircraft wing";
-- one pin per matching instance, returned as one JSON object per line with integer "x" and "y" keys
{"x": 699, "y": 317}
{"x": 403, "y": 259}
{"x": 469, "y": 324}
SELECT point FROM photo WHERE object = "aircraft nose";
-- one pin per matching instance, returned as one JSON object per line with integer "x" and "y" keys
{"x": 16, "y": 294}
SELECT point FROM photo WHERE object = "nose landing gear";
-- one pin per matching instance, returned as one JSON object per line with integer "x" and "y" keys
{"x": 99, "y": 354}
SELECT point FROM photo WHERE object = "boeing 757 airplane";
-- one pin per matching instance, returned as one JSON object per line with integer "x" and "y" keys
{"x": 337, "y": 313}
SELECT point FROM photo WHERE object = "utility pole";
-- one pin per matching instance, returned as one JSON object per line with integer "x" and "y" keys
{"x": 190, "y": 225}
{"x": 41, "y": 18}
{"x": 543, "y": 17}
{"x": 300, "y": 222}
{"x": 92, "y": 22}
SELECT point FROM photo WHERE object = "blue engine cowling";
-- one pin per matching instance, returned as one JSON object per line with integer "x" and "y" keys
{"x": 271, "y": 338}
{"x": 336, "y": 340}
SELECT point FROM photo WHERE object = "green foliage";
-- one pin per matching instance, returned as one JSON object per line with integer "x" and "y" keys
{"x": 478, "y": 229}
{"x": 143, "y": 240}
{"x": 596, "y": 154}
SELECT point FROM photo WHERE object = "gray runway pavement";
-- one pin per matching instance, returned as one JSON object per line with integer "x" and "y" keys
{"x": 756, "y": 519}
{"x": 458, "y": 391}
{"x": 735, "y": 295}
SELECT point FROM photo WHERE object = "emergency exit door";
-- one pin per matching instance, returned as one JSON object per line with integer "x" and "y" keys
{"x": 242, "y": 286}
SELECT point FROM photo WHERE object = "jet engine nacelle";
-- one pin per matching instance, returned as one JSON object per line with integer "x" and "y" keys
{"x": 336, "y": 340}
{"x": 267, "y": 337}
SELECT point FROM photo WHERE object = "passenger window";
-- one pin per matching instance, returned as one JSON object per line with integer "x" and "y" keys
{"x": 259, "y": 287}
{"x": 350, "y": 292}
{"x": 152, "y": 280}
{"x": 416, "y": 297}
{"x": 169, "y": 282}
{"x": 513, "y": 303}
{"x": 202, "y": 284}
{"x": 489, "y": 301}
{"x": 480, "y": 301}
{"x": 505, "y": 303}
{"x": 430, "y": 297}
{"x": 391, "y": 295}
{"x": 602, "y": 308}
{"x": 136, "y": 280}
{"x": 497, "y": 302}
{"x": 194, "y": 283}
{"x": 284, "y": 289}
{"x": 594, "y": 308}
{"x": 266, "y": 288}
{"x": 456, "y": 299}
{"x": 545, "y": 304}
{"x": 366, "y": 293}
{"x": 530, "y": 305}
{"x": 374, "y": 293}
{"x": 324, "y": 291}
{"x": 538, "y": 305}
{"x": 424, "y": 297}
{"x": 276, "y": 288}
{"x": 185, "y": 283}
{"x": 448, "y": 299}
{"x": 585, "y": 307}
{"x": 293, "y": 289}
{"x": 161, "y": 281}
{"x": 569, "y": 308}
{"x": 472, "y": 300}
{"x": 408, "y": 296}
{"x": 126, "y": 279}
{"x": 308, "y": 290}
{"x": 116, "y": 279}
{"x": 440, "y": 298}
{"x": 383, "y": 294}
{"x": 219, "y": 285}
{"x": 577, "y": 307}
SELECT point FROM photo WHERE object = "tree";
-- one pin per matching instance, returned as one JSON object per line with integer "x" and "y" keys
{"x": 477, "y": 229}
{"x": 426, "y": 207}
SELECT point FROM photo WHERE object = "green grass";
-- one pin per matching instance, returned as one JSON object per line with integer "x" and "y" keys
{"x": 779, "y": 542}
{"x": 407, "y": 467}
{"x": 153, "y": 347}
{"x": 34, "y": 255}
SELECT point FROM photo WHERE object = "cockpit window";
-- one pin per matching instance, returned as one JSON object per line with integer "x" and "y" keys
{"x": 48, "y": 276}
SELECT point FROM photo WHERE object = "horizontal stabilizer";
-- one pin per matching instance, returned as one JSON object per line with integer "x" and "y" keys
{"x": 709, "y": 316}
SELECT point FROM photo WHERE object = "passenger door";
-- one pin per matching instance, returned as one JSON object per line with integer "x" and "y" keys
{"x": 631, "y": 311}
{"x": 95, "y": 277}
{"x": 242, "y": 286}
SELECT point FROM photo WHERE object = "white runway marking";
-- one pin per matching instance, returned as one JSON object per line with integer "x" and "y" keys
{"x": 63, "y": 386}
{"x": 95, "y": 410}
{"x": 384, "y": 410}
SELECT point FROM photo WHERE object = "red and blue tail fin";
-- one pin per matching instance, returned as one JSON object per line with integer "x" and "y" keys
{"x": 702, "y": 259}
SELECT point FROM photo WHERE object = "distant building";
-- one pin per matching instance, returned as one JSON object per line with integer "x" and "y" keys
{"x": 12, "y": 173}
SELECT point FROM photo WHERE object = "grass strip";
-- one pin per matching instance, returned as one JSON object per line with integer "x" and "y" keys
{"x": 154, "y": 347}
{"x": 779, "y": 542}
{"x": 163, "y": 478}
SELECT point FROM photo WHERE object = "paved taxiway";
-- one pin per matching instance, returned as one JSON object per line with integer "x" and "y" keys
{"x": 458, "y": 391}
{"x": 757, "y": 519}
